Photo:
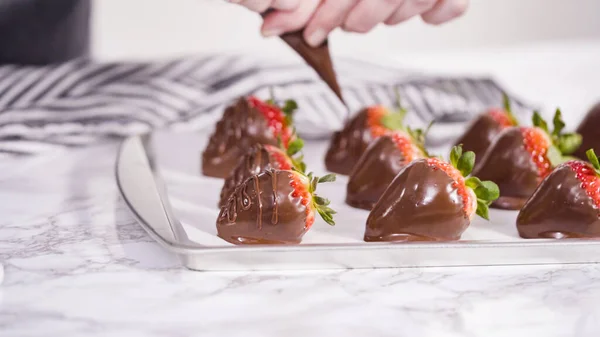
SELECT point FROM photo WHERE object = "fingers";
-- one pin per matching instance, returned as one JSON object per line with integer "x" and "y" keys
{"x": 280, "y": 22}
{"x": 445, "y": 10}
{"x": 408, "y": 9}
{"x": 328, "y": 16}
{"x": 254, "y": 5}
{"x": 285, "y": 5}
{"x": 262, "y": 5}
{"x": 368, "y": 13}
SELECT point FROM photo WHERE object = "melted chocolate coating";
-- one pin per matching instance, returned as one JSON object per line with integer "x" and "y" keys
{"x": 559, "y": 208}
{"x": 262, "y": 210}
{"x": 373, "y": 173}
{"x": 240, "y": 127}
{"x": 318, "y": 58}
{"x": 589, "y": 129}
{"x": 480, "y": 135}
{"x": 421, "y": 204}
{"x": 256, "y": 160}
{"x": 348, "y": 145}
{"x": 509, "y": 165}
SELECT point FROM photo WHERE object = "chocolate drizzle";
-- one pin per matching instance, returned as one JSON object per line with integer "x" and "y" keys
{"x": 509, "y": 165}
{"x": 421, "y": 204}
{"x": 589, "y": 129}
{"x": 241, "y": 127}
{"x": 271, "y": 214}
{"x": 373, "y": 173}
{"x": 480, "y": 135}
{"x": 349, "y": 144}
{"x": 256, "y": 160}
{"x": 559, "y": 208}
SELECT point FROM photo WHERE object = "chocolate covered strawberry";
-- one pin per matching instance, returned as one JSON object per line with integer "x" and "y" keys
{"x": 566, "y": 204}
{"x": 248, "y": 122}
{"x": 431, "y": 200}
{"x": 380, "y": 163}
{"x": 273, "y": 207}
{"x": 589, "y": 129}
{"x": 521, "y": 157}
{"x": 351, "y": 142}
{"x": 261, "y": 157}
{"x": 485, "y": 128}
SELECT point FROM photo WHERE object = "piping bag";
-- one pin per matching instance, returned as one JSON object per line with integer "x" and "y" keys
{"x": 318, "y": 58}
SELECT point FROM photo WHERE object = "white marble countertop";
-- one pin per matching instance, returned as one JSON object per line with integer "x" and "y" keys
{"x": 77, "y": 264}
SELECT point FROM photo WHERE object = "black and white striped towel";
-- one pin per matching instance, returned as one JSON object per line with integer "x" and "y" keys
{"x": 82, "y": 102}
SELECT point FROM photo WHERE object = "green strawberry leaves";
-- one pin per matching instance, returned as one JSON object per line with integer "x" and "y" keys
{"x": 591, "y": 155}
{"x": 563, "y": 144}
{"x": 288, "y": 108}
{"x": 508, "y": 109}
{"x": 295, "y": 146}
{"x": 395, "y": 120}
{"x": 539, "y": 122}
{"x": 418, "y": 137}
{"x": 464, "y": 162}
{"x": 320, "y": 204}
{"x": 327, "y": 178}
{"x": 485, "y": 191}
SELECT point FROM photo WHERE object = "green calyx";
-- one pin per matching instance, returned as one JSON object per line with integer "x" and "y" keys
{"x": 418, "y": 138}
{"x": 563, "y": 144}
{"x": 508, "y": 109}
{"x": 294, "y": 152}
{"x": 591, "y": 155}
{"x": 320, "y": 204}
{"x": 395, "y": 119}
{"x": 288, "y": 108}
{"x": 485, "y": 191}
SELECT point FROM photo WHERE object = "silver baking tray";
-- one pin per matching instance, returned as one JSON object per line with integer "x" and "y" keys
{"x": 159, "y": 178}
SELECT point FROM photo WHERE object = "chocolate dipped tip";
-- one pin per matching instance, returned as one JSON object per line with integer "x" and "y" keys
{"x": 262, "y": 210}
{"x": 384, "y": 158}
{"x": 479, "y": 135}
{"x": 560, "y": 208}
{"x": 348, "y": 144}
{"x": 508, "y": 163}
{"x": 421, "y": 204}
{"x": 242, "y": 126}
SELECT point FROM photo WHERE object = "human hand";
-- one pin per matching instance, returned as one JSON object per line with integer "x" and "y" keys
{"x": 320, "y": 17}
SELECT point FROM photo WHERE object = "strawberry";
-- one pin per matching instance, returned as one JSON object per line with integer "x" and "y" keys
{"x": 431, "y": 199}
{"x": 273, "y": 207}
{"x": 549, "y": 149}
{"x": 485, "y": 128}
{"x": 279, "y": 119}
{"x": 566, "y": 204}
{"x": 260, "y": 158}
{"x": 588, "y": 175}
{"x": 249, "y": 121}
{"x": 382, "y": 161}
{"x": 351, "y": 142}
{"x": 521, "y": 157}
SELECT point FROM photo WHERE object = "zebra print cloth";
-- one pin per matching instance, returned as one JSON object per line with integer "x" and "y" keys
{"x": 82, "y": 102}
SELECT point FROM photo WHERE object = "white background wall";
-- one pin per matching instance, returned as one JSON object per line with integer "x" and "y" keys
{"x": 160, "y": 28}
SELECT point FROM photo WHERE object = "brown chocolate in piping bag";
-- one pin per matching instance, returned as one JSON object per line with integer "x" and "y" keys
{"x": 318, "y": 58}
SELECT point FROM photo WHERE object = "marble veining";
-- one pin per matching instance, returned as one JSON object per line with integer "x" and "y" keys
{"x": 77, "y": 264}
